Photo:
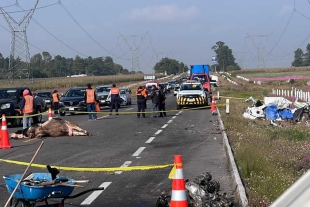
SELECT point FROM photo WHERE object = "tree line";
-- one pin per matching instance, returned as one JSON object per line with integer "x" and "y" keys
{"x": 301, "y": 58}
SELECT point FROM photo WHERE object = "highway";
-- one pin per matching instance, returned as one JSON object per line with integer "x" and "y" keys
{"x": 126, "y": 140}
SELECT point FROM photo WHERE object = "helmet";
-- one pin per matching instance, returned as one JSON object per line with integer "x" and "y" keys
{"x": 113, "y": 85}
{"x": 26, "y": 92}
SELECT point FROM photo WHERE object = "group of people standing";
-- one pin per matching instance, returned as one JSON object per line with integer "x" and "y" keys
{"x": 158, "y": 98}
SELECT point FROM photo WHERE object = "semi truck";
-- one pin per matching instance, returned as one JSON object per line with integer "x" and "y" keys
{"x": 202, "y": 74}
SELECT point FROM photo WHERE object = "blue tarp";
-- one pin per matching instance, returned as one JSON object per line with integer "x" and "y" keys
{"x": 286, "y": 114}
{"x": 272, "y": 112}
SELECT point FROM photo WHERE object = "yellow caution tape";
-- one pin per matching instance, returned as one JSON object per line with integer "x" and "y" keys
{"x": 86, "y": 169}
{"x": 233, "y": 97}
{"x": 18, "y": 117}
{"x": 172, "y": 172}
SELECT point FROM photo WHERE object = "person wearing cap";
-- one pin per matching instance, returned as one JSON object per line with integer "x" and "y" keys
{"x": 55, "y": 101}
{"x": 114, "y": 96}
{"x": 26, "y": 108}
{"x": 141, "y": 95}
{"x": 90, "y": 100}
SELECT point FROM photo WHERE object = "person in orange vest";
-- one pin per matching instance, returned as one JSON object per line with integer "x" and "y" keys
{"x": 55, "y": 101}
{"x": 145, "y": 91}
{"x": 141, "y": 96}
{"x": 26, "y": 108}
{"x": 90, "y": 100}
{"x": 115, "y": 96}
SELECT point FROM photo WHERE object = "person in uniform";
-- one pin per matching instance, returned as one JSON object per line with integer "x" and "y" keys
{"x": 162, "y": 103}
{"x": 145, "y": 91}
{"x": 115, "y": 98}
{"x": 90, "y": 99}
{"x": 26, "y": 108}
{"x": 55, "y": 101}
{"x": 141, "y": 96}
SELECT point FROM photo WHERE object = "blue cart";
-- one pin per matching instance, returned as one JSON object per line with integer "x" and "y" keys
{"x": 29, "y": 193}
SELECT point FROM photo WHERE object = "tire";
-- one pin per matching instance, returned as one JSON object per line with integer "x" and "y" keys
{"x": 62, "y": 113}
{"x": 18, "y": 121}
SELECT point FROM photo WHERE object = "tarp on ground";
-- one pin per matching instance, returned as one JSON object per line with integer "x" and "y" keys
{"x": 272, "y": 112}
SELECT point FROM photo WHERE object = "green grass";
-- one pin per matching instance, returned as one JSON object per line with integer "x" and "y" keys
{"x": 265, "y": 75}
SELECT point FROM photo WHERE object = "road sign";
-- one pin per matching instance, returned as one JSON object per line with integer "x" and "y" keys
{"x": 213, "y": 59}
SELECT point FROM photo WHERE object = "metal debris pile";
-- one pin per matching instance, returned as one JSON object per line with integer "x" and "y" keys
{"x": 202, "y": 192}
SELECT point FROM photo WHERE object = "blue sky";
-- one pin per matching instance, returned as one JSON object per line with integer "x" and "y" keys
{"x": 184, "y": 30}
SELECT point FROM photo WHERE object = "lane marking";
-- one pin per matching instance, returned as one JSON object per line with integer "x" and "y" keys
{"x": 158, "y": 132}
{"x": 103, "y": 117}
{"x": 164, "y": 126}
{"x": 126, "y": 164}
{"x": 174, "y": 117}
{"x": 169, "y": 121}
{"x": 95, "y": 194}
{"x": 150, "y": 140}
{"x": 138, "y": 151}
{"x": 129, "y": 109}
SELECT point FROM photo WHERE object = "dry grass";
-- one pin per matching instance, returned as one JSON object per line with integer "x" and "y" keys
{"x": 270, "y": 159}
{"x": 62, "y": 84}
{"x": 271, "y": 70}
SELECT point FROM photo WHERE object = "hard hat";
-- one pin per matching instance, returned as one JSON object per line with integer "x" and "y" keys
{"x": 26, "y": 92}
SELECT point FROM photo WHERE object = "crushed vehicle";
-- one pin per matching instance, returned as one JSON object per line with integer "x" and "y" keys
{"x": 191, "y": 94}
{"x": 72, "y": 101}
{"x": 9, "y": 105}
{"x": 102, "y": 93}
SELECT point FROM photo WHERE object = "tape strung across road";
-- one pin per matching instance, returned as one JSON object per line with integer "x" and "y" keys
{"x": 86, "y": 169}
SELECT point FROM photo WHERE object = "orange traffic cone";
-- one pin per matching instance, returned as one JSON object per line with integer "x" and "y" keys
{"x": 50, "y": 114}
{"x": 178, "y": 196}
{"x": 213, "y": 105}
{"x": 5, "y": 139}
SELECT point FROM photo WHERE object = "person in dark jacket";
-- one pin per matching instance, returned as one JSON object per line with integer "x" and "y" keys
{"x": 155, "y": 96}
{"x": 162, "y": 104}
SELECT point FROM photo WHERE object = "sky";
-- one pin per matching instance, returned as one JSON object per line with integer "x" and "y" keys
{"x": 183, "y": 30}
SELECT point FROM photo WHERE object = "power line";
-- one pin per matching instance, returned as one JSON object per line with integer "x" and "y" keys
{"x": 66, "y": 10}
{"x": 42, "y": 7}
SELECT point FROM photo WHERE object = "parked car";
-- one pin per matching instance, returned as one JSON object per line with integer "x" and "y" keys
{"x": 47, "y": 97}
{"x": 102, "y": 93}
{"x": 72, "y": 101}
{"x": 126, "y": 96}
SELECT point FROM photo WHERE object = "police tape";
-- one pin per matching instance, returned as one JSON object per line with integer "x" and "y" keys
{"x": 92, "y": 169}
{"x": 26, "y": 116}
{"x": 232, "y": 97}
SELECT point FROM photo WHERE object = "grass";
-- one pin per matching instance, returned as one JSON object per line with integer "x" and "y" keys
{"x": 62, "y": 84}
{"x": 269, "y": 158}
{"x": 271, "y": 70}
{"x": 279, "y": 74}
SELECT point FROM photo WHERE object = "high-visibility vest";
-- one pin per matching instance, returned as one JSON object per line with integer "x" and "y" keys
{"x": 55, "y": 98}
{"x": 90, "y": 94}
{"x": 140, "y": 94}
{"x": 114, "y": 91}
{"x": 28, "y": 108}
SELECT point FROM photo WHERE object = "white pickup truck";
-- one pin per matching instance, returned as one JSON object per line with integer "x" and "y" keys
{"x": 214, "y": 81}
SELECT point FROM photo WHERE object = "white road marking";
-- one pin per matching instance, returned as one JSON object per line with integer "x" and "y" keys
{"x": 126, "y": 164}
{"x": 174, "y": 117}
{"x": 164, "y": 126}
{"x": 169, "y": 121}
{"x": 95, "y": 194}
{"x": 138, "y": 151}
{"x": 150, "y": 140}
{"x": 158, "y": 132}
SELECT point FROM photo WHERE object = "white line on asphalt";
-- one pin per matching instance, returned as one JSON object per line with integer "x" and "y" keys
{"x": 158, "y": 132}
{"x": 174, "y": 117}
{"x": 126, "y": 164}
{"x": 164, "y": 126}
{"x": 138, "y": 151}
{"x": 169, "y": 121}
{"x": 95, "y": 194}
{"x": 150, "y": 140}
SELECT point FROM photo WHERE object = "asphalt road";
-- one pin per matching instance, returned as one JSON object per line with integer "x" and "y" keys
{"x": 126, "y": 140}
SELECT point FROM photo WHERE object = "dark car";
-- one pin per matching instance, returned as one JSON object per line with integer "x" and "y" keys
{"x": 73, "y": 101}
{"x": 47, "y": 97}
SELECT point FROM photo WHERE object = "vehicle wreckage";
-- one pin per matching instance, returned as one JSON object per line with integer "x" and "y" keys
{"x": 55, "y": 127}
{"x": 202, "y": 192}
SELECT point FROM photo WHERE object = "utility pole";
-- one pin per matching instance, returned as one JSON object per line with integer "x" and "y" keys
{"x": 135, "y": 66}
{"x": 260, "y": 49}
{"x": 19, "y": 61}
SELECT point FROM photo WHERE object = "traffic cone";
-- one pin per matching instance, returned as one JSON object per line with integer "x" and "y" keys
{"x": 178, "y": 196}
{"x": 213, "y": 106}
{"x": 5, "y": 139}
{"x": 50, "y": 114}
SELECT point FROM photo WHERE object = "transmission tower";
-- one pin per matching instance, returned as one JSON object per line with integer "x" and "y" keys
{"x": 19, "y": 61}
{"x": 241, "y": 57}
{"x": 135, "y": 66}
{"x": 260, "y": 49}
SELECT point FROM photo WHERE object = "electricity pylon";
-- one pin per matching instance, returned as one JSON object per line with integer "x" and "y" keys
{"x": 241, "y": 57}
{"x": 135, "y": 66}
{"x": 260, "y": 49}
{"x": 19, "y": 61}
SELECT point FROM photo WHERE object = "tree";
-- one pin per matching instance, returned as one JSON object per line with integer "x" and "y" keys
{"x": 298, "y": 58}
{"x": 171, "y": 66}
{"x": 225, "y": 57}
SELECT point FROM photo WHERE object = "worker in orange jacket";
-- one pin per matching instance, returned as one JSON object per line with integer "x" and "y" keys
{"x": 55, "y": 101}
{"x": 141, "y": 96}
{"x": 115, "y": 98}
{"x": 90, "y": 100}
{"x": 145, "y": 91}
{"x": 27, "y": 108}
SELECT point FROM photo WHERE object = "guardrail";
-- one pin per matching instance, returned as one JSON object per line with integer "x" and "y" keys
{"x": 295, "y": 93}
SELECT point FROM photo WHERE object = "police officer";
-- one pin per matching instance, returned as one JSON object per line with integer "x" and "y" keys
{"x": 115, "y": 98}
{"x": 141, "y": 96}
{"x": 90, "y": 99}
{"x": 26, "y": 108}
{"x": 55, "y": 101}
